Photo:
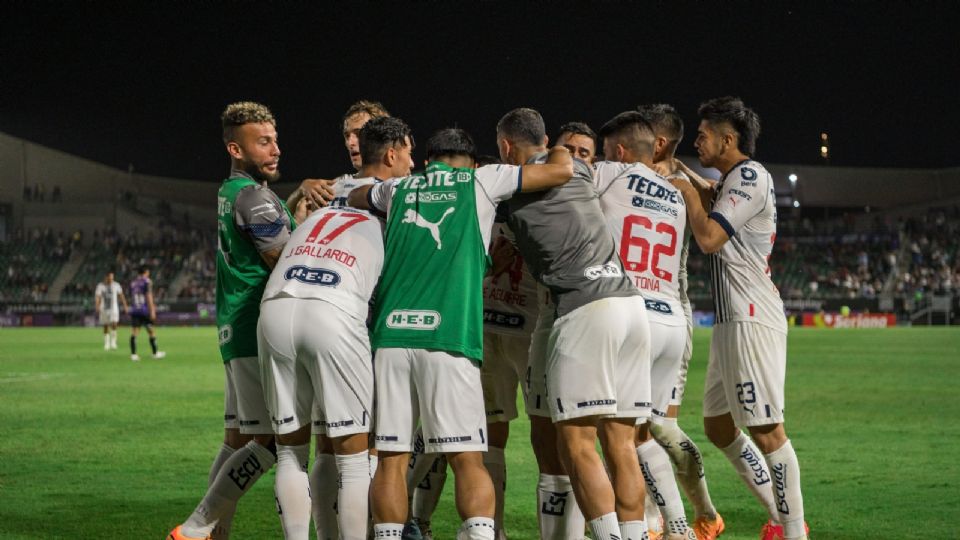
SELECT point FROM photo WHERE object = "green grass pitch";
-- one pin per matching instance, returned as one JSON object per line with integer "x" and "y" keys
{"x": 95, "y": 446}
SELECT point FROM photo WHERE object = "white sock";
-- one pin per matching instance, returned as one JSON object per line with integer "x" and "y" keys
{"x": 477, "y": 528}
{"x": 113, "y": 338}
{"x": 235, "y": 478}
{"x": 606, "y": 527}
{"x": 662, "y": 486}
{"x": 689, "y": 465}
{"x": 786, "y": 489}
{"x": 222, "y": 528}
{"x": 493, "y": 460}
{"x": 651, "y": 514}
{"x": 557, "y": 509}
{"x": 324, "y": 492}
{"x": 634, "y": 530}
{"x": 388, "y": 530}
{"x": 752, "y": 468}
{"x": 372, "y": 463}
{"x": 106, "y": 340}
{"x": 352, "y": 501}
{"x": 427, "y": 493}
{"x": 292, "y": 488}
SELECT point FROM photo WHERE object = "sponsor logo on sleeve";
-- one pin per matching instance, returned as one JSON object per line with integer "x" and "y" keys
{"x": 748, "y": 174}
{"x": 312, "y": 276}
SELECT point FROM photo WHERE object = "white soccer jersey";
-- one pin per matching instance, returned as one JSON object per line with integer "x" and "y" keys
{"x": 346, "y": 183}
{"x": 494, "y": 183}
{"x": 335, "y": 255}
{"x": 647, "y": 217}
{"x": 108, "y": 295}
{"x": 510, "y": 298}
{"x": 745, "y": 206}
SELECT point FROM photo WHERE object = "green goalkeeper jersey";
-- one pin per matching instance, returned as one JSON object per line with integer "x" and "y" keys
{"x": 431, "y": 289}
{"x": 250, "y": 220}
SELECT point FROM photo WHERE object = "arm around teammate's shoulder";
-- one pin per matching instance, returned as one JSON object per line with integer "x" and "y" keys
{"x": 358, "y": 197}
{"x": 558, "y": 170}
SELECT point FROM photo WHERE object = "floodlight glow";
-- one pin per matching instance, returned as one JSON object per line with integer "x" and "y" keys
{"x": 793, "y": 178}
{"x": 796, "y": 204}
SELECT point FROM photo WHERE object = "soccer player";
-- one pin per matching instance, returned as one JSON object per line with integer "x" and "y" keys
{"x": 325, "y": 278}
{"x": 253, "y": 226}
{"x": 107, "y": 307}
{"x": 580, "y": 140}
{"x": 510, "y": 310}
{"x": 144, "y": 313}
{"x": 647, "y": 218}
{"x": 597, "y": 366}
{"x": 429, "y": 320}
{"x": 748, "y": 349}
{"x": 685, "y": 455}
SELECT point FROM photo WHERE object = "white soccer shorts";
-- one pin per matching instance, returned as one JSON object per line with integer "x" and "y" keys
{"x": 315, "y": 363}
{"x": 440, "y": 390}
{"x": 666, "y": 352}
{"x": 746, "y": 374}
{"x": 243, "y": 405}
{"x": 598, "y": 361}
{"x": 109, "y": 317}
{"x": 676, "y": 397}
{"x": 504, "y": 363}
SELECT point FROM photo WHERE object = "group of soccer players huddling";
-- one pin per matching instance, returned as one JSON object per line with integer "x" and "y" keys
{"x": 392, "y": 314}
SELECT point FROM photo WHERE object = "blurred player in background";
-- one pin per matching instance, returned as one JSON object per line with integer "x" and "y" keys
{"x": 647, "y": 218}
{"x": 594, "y": 374}
{"x": 143, "y": 313}
{"x": 107, "y": 298}
{"x": 253, "y": 226}
{"x": 685, "y": 455}
{"x": 748, "y": 350}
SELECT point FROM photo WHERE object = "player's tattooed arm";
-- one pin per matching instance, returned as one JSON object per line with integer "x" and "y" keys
{"x": 709, "y": 234}
{"x": 558, "y": 170}
{"x": 318, "y": 191}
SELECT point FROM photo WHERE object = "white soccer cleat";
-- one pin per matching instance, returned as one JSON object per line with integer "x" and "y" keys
{"x": 113, "y": 346}
{"x": 106, "y": 346}
{"x": 135, "y": 357}
{"x": 159, "y": 354}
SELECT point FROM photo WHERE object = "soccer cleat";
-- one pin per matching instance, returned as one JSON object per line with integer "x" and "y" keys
{"x": 159, "y": 354}
{"x": 411, "y": 531}
{"x": 106, "y": 346}
{"x": 113, "y": 346}
{"x": 654, "y": 535}
{"x": 774, "y": 531}
{"x": 689, "y": 535}
{"x": 135, "y": 357}
{"x": 708, "y": 529}
{"x": 175, "y": 534}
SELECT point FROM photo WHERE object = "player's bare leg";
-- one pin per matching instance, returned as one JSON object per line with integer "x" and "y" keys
{"x": 600, "y": 497}
{"x": 690, "y": 475}
{"x": 388, "y": 492}
{"x": 474, "y": 495}
{"x": 324, "y": 491}
{"x": 292, "y": 487}
{"x": 426, "y": 476}
{"x": 785, "y": 469}
{"x": 558, "y": 514}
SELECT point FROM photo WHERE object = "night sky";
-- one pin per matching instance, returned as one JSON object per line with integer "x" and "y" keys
{"x": 145, "y": 84}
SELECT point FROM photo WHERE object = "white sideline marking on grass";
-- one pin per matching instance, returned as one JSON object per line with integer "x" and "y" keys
{"x": 11, "y": 377}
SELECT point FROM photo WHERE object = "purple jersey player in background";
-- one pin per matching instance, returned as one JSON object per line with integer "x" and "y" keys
{"x": 143, "y": 312}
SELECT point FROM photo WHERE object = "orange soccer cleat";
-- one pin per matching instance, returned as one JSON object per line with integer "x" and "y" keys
{"x": 708, "y": 529}
{"x": 175, "y": 534}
